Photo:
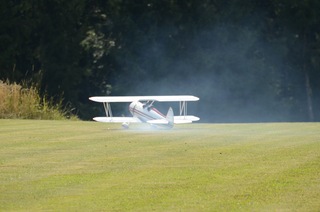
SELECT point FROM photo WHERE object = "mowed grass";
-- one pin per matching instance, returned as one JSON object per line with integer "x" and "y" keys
{"x": 88, "y": 166}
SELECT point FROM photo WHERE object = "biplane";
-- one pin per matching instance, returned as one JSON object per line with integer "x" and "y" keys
{"x": 142, "y": 110}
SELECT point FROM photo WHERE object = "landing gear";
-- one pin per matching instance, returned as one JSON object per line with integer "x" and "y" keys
{"x": 125, "y": 125}
{"x": 148, "y": 105}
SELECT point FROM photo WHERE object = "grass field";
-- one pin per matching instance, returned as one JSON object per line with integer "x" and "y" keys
{"x": 88, "y": 166}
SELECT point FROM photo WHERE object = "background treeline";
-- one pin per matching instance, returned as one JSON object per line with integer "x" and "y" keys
{"x": 247, "y": 60}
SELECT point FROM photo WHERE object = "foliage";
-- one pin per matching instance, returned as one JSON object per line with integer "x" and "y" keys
{"x": 252, "y": 60}
{"x": 24, "y": 102}
{"x": 87, "y": 166}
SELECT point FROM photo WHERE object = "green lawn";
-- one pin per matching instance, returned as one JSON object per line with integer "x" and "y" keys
{"x": 88, "y": 166}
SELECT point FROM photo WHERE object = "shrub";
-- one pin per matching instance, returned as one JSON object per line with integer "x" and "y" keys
{"x": 20, "y": 101}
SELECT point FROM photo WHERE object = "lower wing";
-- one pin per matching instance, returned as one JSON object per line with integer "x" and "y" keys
{"x": 158, "y": 121}
{"x": 117, "y": 119}
{"x": 177, "y": 120}
{"x": 185, "y": 119}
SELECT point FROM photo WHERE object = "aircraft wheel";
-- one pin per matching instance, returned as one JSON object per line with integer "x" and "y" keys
{"x": 125, "y": 125}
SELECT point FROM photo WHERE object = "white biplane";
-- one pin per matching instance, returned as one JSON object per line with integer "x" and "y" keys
{"x": 142, "y": 110}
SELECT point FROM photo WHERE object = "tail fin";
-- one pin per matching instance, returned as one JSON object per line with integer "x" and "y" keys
{"x": 170, "y": 117}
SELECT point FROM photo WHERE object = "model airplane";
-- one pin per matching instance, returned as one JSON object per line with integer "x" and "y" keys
{"x": 142, "y": 110}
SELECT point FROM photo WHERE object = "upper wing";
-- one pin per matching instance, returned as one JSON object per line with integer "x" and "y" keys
{"x": 172, "y": 98}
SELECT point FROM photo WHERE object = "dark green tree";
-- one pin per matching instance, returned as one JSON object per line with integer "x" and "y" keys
{"x": 245, "y": 58}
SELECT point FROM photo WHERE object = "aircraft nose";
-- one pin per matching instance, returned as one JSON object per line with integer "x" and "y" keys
{"x": 132, "y": 106}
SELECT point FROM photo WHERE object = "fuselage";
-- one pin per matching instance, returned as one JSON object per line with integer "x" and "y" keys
{"x": 144, "y": 111}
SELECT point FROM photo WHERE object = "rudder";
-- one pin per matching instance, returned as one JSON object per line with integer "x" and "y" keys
{"x": 170, "y": 117}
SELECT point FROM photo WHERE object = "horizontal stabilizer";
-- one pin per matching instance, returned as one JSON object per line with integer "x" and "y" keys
{"x": 117, "y": 119}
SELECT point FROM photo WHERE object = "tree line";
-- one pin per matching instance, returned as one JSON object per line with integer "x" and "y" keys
{"x": 247, "y": 60}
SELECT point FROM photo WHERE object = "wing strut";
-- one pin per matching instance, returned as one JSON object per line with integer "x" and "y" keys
{"x": 107, "y": 108}
{"x": 183, "y": 108}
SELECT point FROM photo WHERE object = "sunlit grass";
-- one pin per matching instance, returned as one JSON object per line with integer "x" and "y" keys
{"x": 60, "y": 165}
{"x": 25, "y": 102}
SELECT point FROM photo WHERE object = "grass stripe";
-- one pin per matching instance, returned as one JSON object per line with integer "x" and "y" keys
{"x": 74, "y": 165}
